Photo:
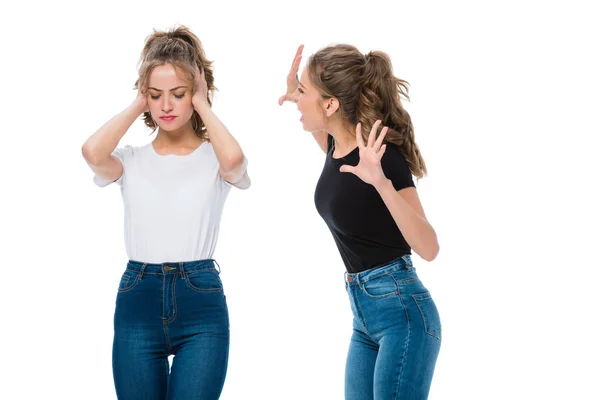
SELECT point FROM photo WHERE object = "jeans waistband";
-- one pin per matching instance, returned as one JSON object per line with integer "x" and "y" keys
{"x": 398, "y": 264}
{"x": 172, "y": 267}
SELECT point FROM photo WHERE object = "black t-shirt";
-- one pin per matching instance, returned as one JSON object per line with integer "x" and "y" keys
{"x": 363, "y": 228}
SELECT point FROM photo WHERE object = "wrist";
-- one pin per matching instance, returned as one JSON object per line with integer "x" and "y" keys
{"x": 202, "y": 106}
{"x": 383, "y": 186}
{"x": 139, "y": 106}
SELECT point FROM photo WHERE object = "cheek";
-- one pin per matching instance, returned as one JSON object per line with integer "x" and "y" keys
{"x": 306, "y": 106}
{"x": 185, "y": 104}
{"x": 154, "y": 107}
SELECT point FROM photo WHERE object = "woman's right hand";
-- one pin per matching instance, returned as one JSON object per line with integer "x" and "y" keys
{"x": 141, "y": 102}
{"x": 292, "y": 78}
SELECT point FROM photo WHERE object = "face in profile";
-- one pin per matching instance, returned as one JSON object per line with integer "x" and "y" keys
{"x": 311, "y": 105}
{"x": 169, "y": 98}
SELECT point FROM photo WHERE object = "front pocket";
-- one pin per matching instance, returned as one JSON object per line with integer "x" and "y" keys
{"x": 206, "y": 280}
{"x": 128, "y": 281}
{"x": 429, "y": 312}
{"x": 382, "y": 286}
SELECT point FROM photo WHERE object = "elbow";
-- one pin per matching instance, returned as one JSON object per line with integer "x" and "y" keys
{"x": 431, "y": 252}
{"x": 88, "y": 153}
{"x": 91, "y": 154}
{"x": 233, "y": 163}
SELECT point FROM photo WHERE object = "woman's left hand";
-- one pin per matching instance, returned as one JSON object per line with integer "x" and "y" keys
{"x": 369, "y": 166}
{"x": 200, "y": 97}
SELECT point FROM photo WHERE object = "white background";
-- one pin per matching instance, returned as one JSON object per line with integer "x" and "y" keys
{"x": 505, "y": 100}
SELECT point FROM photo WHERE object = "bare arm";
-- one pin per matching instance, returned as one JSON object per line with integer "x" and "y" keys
{"x": 232, "y": 165}
{"x": 404, "y": 205}
{"x": 406, "y": 209}
{"x": 97, "y": 149}
{"x": 232, "y": 162}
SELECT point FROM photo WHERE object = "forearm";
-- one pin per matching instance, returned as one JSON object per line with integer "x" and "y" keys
{"x": 417, "y": 231}
{"x": 104, "y": 141}
{"x": 227, "y": 149}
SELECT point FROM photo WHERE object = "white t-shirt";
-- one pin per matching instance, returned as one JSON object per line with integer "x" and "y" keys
{"x": 173, "y": 204}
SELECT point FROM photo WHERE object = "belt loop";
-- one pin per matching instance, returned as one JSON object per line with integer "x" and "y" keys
{"x": 182, "y": 270}
{"x": 142, "y": 271}
{"x": 219, "y": 267}
{"x": 407, "y": 262}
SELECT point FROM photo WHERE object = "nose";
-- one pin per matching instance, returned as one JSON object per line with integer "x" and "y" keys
{"x": 166, "y": 105}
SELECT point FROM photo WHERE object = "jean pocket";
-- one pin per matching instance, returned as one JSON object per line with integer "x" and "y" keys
{"x": 128, "y": 280}
{"x": 382, "y": 286}
{"x": 204, "y": 280}
{"x": 429, "y": 312}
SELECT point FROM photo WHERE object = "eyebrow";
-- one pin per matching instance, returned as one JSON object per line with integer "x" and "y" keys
{"x": 175, "y": 88}
{"x": 300, "y": 83}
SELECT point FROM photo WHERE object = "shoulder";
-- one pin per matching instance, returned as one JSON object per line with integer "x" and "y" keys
{"x": 128, "y": 151}
{"x": 393, "y": 157}
{"x": 396, "y": 168}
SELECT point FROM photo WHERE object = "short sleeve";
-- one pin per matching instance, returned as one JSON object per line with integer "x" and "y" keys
{"x": 395, "y": 167}
{"x": 244, "y": 181}
{"x": 123, "y": 154}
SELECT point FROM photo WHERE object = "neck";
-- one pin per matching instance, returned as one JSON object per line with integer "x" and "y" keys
{"x": 345, "y": 138}
{"x": 183, "y": 137}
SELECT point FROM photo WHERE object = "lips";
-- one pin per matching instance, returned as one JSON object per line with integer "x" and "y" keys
{"x": 168, "y": 117}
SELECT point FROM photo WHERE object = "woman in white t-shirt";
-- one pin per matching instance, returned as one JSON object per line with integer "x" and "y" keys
{"x": 170, "y": 299}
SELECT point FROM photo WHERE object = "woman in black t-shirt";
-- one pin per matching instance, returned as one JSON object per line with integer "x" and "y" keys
{"x": 368, "y": 199}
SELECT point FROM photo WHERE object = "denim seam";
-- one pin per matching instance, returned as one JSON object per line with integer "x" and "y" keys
{"x": 406, "y": 344}
{"x": 203, "y": 269}
{"x": 423, "y": 316}
{"x": 405, "y": 281}
{"x": 174, "y": 303}
{"x": 127, "y": 289}
{"x": 363, "y": 321}
{"x": 364, "y": 289}
{"x": 167, "y": 341}
{"x": 191, "y": 286}
{"x": 126, "y": 279}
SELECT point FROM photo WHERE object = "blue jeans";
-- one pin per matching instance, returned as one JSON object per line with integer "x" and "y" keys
{"x": 397, "y": 334}
{"x": 170, "y": 309}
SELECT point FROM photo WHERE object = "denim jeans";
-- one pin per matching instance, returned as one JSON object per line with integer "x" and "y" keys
{"x": 397, "y": 334}
{"x": 167, "y": 309}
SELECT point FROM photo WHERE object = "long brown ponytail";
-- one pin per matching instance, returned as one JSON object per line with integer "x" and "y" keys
{"x": 367, "y": 91}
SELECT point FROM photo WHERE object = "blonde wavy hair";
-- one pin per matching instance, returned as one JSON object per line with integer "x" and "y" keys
{"x": 182, "y": 49}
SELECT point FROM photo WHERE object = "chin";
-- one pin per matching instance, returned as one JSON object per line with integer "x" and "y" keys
{"x": 307, "y": 128}
{"x": 170, "y": 127}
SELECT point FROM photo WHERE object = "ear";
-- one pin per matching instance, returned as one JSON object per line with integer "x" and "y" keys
{"x": 331, "y": 106}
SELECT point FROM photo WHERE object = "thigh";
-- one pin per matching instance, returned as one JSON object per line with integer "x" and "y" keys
{"x": 140, "y": 370}
{"x": 140, "y": 364}
{"x": 404, "y": 368}
{"x": 360, "y": 366}
{"x": 408, "y": 350}
{"x": 199, "y": 367}
{"x": 199, "y": 337}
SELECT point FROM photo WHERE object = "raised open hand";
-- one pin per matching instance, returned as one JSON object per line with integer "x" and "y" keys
{"x": 292, "y": 78}
{"x": 369, "y": 166}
